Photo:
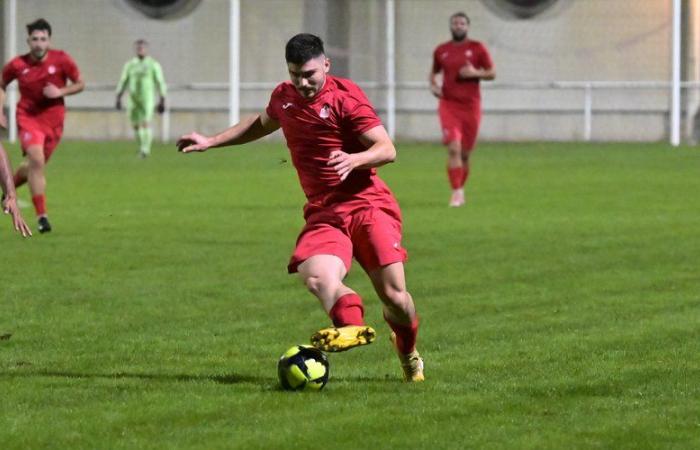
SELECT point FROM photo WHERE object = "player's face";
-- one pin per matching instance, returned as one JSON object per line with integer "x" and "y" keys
{"x": 309, "y": 77}
{"x": 141, "y": 50}
{"x": 459, "y": 28}
{"x": 39, "y": 42}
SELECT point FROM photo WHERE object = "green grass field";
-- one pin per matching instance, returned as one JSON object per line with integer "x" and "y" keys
{"x": 560, "y": 307}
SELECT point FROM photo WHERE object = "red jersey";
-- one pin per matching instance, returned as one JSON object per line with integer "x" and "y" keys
{"x": 332, "y": 120}
{"x": 32, "y": 76}
{"x": 451, "y": 56}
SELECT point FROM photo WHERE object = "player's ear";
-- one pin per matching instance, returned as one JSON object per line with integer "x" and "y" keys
{"x": 326, "y": 65}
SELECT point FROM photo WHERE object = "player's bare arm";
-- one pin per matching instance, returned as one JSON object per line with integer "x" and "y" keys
{"x": 3, "y": 119}
{"x": 9, "y": 202}
{"x": 53, "y": 91}
{"x": 471, "y": 72}
{"x": 380, "y": 151}
{"x": 247, "y": 130}
{"x": 435, "y": 88}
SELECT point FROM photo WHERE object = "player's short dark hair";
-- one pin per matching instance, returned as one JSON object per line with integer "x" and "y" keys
{"x": 141, "y": 42}
{"x": 39, "y": 25}
{"x": 460, "y": 14}
{"x": 302, "y": 48}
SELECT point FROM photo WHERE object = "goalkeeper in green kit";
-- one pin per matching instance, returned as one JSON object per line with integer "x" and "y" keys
{"x": 141, "y": 76}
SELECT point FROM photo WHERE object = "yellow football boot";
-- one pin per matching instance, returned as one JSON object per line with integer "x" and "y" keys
{"x": 342, "y": 338}
{"x": 412, "y": 363}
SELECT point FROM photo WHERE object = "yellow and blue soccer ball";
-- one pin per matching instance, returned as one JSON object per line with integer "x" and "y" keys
{"x": 303, "y": 368}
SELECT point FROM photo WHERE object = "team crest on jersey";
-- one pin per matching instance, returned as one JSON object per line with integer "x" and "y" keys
{"x": 468, "y": 53}
{"x": 52, "y": 69}
{"x": 25, "y": 70}
{"x": 325, "y": 112}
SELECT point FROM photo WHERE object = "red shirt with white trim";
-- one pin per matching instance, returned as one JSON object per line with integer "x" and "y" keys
{"x": 32, "y": 76}
{"x": 451, "y": 56}
{"x": 332, "y": 120}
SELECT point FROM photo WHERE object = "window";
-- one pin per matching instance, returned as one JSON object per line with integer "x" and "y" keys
{"x": 520, "y": 9}
{"x": 164, "y": 9}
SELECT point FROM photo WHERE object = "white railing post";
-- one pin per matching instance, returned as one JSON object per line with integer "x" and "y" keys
{"x": 390, "y": 69}
{"x": 10, "y": 52}
{"x": 165, "y": 124}
{"x": 234, "y": 79}
{"x": 676, "y": 76}
{"x": 587, "y": 111}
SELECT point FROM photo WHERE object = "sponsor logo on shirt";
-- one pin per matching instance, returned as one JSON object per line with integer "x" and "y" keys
{"x": 444, "y": 55}
{"x": 325, "y": 112}
{"x": 52, "y": 69}
{"x": 26, "y": 136}
{"x": 25, "y": 70}
{"x": 468, "y": 53}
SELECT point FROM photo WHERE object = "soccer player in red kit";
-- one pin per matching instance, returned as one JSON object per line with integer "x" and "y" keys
{"x": 463, "y": 63}
{"x": 336, "y": 143}
{"x": 42, "y": 75}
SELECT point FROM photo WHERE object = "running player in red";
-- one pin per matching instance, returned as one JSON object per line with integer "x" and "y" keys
{"x": 43, "y": 76}
{"x": 336, "y": 142}
{"x": 463, "y": 63}
{"x": 9, "y": 197}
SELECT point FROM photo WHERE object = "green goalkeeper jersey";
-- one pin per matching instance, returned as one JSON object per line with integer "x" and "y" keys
{"x": 141, "y": 76}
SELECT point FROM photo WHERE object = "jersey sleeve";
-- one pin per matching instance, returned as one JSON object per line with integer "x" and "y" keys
{"x": 485, "y": 58}
{"x": 359, "y": 114}
{"x": 437, "y": 67}
{"x": 123, "y": 79}
{"x": 70, "y": 68}
{"x": 160, "y": 80}
{"x": 271, "y": 110}
{"x": 8, "y": 73}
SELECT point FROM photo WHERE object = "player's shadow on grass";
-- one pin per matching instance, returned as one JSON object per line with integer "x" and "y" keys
{"x": 230, "y": 378}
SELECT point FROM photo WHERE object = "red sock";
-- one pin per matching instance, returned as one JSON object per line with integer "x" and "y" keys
{"x": 465, "y": 175}
{"x": 348, "y": 310}
{"x": 455, "y": 175}
{"x": 405, "y": 335}
{"x": 39, "y": 204}
{"x": 18, "y": 179}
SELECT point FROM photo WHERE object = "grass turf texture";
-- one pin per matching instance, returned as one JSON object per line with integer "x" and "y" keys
{"x": 559, "y": 307}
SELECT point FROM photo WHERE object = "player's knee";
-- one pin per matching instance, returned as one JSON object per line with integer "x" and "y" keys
{"x": 396, "y": 296}
{"x": 318, "y": 284}
{"x": 36, "y": 162}
{"x": 454, "y": 149}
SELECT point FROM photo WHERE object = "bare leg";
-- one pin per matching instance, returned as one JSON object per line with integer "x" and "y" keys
{"x": 400, "y": 313}
{"x": 455, "y": 170}
{"x": 323, "y": 276}
{"x": 35, "y": 170}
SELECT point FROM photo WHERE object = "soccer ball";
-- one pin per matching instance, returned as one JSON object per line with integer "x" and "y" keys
{"x": 303, "y": 368}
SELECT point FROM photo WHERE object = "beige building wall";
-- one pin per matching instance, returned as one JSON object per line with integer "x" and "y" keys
{"x": 578, "y": 40}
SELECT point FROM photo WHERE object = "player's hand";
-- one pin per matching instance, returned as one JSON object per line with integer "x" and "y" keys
{"x": 3, "y": 119}
{"x": 161, "y": 106}
{"x": 342, "y": 162}
{"x": 52, "y": 91}
{"x": 436, "y": 90}
{"x": 9, "y": 206}
{"x": 469, "y": 71}
{"x": 118, "y": 104}
{"x": 193, "y": 142}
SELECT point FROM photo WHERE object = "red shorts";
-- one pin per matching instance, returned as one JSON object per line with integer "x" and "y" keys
{"x": 33, "y": 131}
{"x": 368, "y": 231}
{"x": 460, "y": 122}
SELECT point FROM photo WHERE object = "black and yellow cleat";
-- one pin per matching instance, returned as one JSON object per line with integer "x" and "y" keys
{"x": 342, "y": 338}
{"x": 411, "y": 364}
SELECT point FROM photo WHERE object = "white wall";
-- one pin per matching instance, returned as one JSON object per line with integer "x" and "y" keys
{"x": 576, "y": 40}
